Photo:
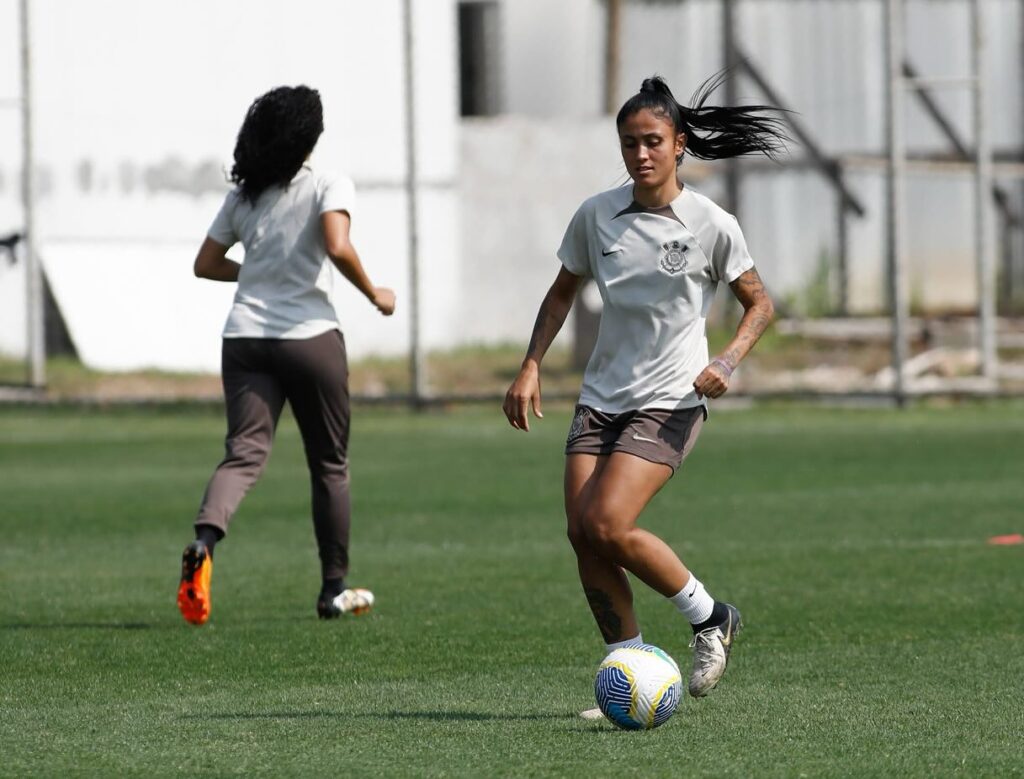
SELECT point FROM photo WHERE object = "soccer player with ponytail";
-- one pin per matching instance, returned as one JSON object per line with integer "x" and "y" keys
{"x": 657, "y": 251}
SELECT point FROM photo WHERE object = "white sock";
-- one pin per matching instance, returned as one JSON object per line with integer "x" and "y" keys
{"x": 693, "y": 601}
{"x": 637, "y": 640}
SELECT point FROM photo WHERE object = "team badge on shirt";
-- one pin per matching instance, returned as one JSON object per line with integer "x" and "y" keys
{"x": 674, "y": 259}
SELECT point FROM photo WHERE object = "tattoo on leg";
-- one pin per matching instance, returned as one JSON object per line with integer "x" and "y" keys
{"x": 608, "y": 622}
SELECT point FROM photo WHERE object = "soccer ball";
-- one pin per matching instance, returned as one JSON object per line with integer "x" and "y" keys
{"x": 639, "y": 687}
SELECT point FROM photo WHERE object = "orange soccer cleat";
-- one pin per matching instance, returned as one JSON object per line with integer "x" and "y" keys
{"x": 194, "y": 590}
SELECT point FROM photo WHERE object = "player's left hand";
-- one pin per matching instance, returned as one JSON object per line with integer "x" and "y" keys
{"x": 713, "y": 381}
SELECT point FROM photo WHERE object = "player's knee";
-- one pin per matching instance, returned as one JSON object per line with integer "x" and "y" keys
{"x": 577, "y": 536}
{"x": 330, "y": 468}
{"x": 603, "y": 533}
{"x": 248, "y": 454}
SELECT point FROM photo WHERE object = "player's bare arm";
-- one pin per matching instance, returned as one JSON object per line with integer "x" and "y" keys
{"x": 758, "y": 312}
{"x": 525, "y": 390}
{"x": 343, "y": 255}
{"x": 213, "y": 263}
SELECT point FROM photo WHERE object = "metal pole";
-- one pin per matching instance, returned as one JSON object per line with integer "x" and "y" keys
{"x": 1017, "y": 274}
{"x": 411, "y": 197}
{"x": 33, "y": 271}
{"x": 613, "y": 26}
{"x": 731, "y": 64}
{"x": 842, "y": 260}
{"x": 1004, "y": 298}
{"x": 895, "y": 195}
{"x": 983, "y": 243}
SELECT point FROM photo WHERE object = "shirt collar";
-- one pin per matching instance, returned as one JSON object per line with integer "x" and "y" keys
{"x": 685, "y": 208}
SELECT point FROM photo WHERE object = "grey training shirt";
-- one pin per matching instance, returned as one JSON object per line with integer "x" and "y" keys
{"x": 657, "y": 272}
{"x": 285, "y": 284}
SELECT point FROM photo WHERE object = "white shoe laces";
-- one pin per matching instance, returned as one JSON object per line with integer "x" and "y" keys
{"x": 705, "y": 643}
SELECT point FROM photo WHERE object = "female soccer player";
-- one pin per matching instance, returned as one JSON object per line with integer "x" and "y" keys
{"x": 282, "y": 340}
{"x": 657, "y": 251}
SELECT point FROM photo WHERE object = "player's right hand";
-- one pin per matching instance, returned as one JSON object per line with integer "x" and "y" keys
{"x": 384, "y": 300}
{"x": 524, "y": 392}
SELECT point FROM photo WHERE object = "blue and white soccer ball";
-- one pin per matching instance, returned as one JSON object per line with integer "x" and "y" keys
{"x": 638, "y": 688}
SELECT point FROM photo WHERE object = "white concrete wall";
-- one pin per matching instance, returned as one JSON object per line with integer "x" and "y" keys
{"x": 136, "y": 110}
{"x": 521, "y": 180}
{"x": 12, "y": 277}
{"x": 13, "y": 315}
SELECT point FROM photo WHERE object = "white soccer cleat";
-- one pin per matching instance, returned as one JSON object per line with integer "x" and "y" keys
{"x": 352, "y": 601}
{"x": 711, "y": 653}
{"x": 592, "y": 715}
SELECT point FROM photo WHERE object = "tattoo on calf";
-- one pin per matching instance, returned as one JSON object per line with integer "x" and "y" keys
{"x": 608, "y": 622}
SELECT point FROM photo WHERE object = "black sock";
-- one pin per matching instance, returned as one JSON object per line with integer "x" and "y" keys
{"x": 209, "y": 535}
{"x": 331, "y": 588}
{"x": 719, "y": 614}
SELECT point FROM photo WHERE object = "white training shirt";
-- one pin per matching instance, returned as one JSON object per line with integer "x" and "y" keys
{"x": 285, "y": 283}
{"x": 657, "y": 271}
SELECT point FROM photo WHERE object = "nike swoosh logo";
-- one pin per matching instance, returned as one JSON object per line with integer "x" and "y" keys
{"x": 727, "y": 634}
{"x": 641, "y": 438}
{"x": 606, "y": 252}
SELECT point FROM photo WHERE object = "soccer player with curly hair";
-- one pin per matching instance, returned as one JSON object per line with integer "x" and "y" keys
{"x": 282, "y": 341}
{"x": 657, "y": 251}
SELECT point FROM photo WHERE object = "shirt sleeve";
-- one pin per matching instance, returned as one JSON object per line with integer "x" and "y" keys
{"x": 730, "y": 259}
{"x": 338, "y": 194}
{"x": 222, "y": 230}
{"x": 574, "y": 252}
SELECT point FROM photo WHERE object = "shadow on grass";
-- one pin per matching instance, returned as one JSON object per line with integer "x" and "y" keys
{"x": 435, "y": 716}
{"x": 77, "y": 626}
{"x": 464, "y": 716}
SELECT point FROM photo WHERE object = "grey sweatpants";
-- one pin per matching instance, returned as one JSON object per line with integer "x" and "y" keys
{"x": 259, "y": 374}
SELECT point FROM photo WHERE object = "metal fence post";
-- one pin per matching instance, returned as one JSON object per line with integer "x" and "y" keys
{"x": 895, "y": 221}
{"x": 34, "y": 273}
{"x": 983, "y": 244}
{"x": 415, "y": 349}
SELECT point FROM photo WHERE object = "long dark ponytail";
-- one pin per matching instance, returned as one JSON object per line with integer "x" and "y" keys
{"x": 712, "y": 132}
{"x": 280, "y": 130}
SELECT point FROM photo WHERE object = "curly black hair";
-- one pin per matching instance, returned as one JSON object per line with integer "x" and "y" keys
{"x": 279, "y": 132}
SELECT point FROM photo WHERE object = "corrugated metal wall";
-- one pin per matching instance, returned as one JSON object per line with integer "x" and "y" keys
{"x": 826, "y": 60}
{"x": 826, "y": 57}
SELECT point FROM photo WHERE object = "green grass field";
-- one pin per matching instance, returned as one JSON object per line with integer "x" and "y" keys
{"x": 884, "y": 636}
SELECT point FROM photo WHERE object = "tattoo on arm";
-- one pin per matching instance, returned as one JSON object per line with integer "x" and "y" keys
{"x": 550, "y": 318}
{"x": 608, "y": 622}
{"x": 540, "y": 333}
{"x": 757, "y": 315}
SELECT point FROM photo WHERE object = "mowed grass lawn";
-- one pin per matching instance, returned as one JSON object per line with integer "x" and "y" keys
{"x": 885, "y": 636}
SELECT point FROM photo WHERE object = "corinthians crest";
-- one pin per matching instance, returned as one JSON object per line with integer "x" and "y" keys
{"x": 674, "y": 259}
{"x": 577, "y": 429}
